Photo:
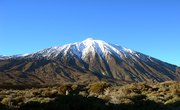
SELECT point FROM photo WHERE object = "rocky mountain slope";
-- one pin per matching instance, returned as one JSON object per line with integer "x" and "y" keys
{"x": 83, "y": 62}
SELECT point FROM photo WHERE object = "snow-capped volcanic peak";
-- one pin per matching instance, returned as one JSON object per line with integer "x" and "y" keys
{"x": 86, "y": 47}
{"x": 80, "y": 49}
{"x": 87, "y": 61}
{"x": 96, "y": 46}
{"x": 101, "y": 47}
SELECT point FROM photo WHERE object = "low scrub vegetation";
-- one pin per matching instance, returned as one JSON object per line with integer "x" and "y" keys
{"x": 96, "y": 96}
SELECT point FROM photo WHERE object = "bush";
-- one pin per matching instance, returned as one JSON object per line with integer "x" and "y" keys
{"x": 98, "y": 87}
{"x": 95, "y": 96}
{"x": 6, "y": 101}
{"x": 39, "y": 100}
{"x": 17, "y": 101}
{"x": 51, "y": 94}
{"x": 64, "y": 89}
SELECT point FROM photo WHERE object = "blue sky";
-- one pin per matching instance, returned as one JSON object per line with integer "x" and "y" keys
{"x": 148, "y": 26}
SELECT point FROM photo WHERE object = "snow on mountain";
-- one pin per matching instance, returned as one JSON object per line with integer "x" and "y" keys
{"x": 2, "y": 57}
{"x": 13, "y": 56}
{"x": 81, "y": 49}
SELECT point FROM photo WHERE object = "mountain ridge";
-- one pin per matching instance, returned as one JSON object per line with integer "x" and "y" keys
{"x": 57, "y": 48}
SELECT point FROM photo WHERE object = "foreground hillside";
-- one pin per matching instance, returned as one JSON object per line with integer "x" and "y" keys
{"x": 95, "y": 96}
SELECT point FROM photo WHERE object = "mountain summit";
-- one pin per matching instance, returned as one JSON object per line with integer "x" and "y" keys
{"x": 82, "y": 49}
{"x": 83, "y": 62}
